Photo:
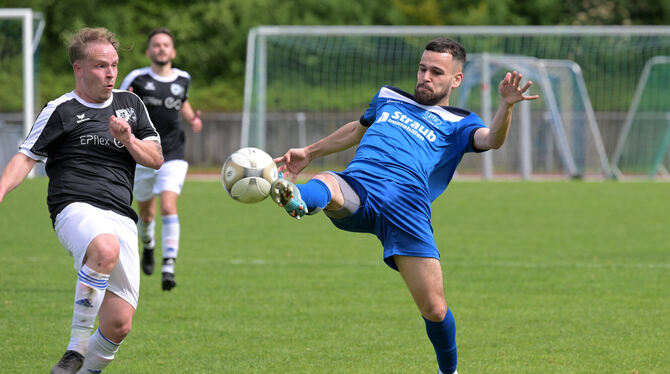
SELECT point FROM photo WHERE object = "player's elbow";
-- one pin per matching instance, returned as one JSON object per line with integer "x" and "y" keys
{"x": 496, "y": 145}
{"x": 495, "y": 140}
{"x": 157, "y": 162}
{"x": 154, "y": 161}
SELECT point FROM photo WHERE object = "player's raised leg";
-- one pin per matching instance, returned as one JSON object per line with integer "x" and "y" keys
{"x": 423, "y": 276}
{"x": 322, "y": 191}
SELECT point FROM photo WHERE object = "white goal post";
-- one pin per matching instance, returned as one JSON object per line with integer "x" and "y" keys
{"x": 302, "y": 82}
{"x": 32, "y": 25}
{"x": 30, "y": 41}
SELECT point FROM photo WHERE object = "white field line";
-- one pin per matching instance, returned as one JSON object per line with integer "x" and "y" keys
{"x": 507, "y": 264}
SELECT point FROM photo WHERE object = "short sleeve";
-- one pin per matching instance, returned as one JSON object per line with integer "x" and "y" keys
{"x": 370, "y": 115}
{"x": 46, "y": 131}
{"x": 145, "y": 128}
{"x": 466, "y": 132}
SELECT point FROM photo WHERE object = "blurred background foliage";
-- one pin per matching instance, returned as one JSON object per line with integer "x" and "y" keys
{"x": 211, "y": 36}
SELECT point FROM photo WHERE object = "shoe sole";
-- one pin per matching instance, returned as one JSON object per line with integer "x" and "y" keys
{"x": 281, "y": 192}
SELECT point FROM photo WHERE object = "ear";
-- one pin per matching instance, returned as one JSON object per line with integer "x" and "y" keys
{"x": 76, "y": 67}
{"x": 458, "y": 78}
{"x": 146, "y": 52}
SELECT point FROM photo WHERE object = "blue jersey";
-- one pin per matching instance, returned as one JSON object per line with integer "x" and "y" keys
{"x": 413, "y": 144}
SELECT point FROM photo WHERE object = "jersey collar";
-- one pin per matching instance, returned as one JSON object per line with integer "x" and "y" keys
{"x": 104, "y": 104}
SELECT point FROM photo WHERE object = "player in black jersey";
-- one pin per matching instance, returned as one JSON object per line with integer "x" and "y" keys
{"x": 91, "y": 139}
{"x": 164, "y": 91}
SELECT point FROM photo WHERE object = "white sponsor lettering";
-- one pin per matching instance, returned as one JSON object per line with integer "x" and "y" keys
{"x": 99, "y": 140}
{"x": 171, "y": 102}
{"x": 93, "y": 139}
{"x": 152, "y": 101}
{"x": 419, "y": 130}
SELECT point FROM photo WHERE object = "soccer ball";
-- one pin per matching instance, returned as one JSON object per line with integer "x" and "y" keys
{"x": 247, "y": 175}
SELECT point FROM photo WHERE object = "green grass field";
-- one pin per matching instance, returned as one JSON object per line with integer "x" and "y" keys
{"x": 542, "y": 277}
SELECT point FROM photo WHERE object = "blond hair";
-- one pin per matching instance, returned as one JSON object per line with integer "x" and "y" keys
{"x": 78, "y": 48}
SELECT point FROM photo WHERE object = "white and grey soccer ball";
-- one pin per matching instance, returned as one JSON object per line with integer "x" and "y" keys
{"x": 248, "y": 174}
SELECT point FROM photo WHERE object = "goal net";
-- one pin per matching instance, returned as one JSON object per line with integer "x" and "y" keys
{"x": 302, "y": 83}
{"x": 20, "y": 32}
{"x": 642, "y": 149}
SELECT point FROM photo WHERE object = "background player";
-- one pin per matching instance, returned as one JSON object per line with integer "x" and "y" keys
{"x": 164, "y": 91}
{"x": 91, "y": 139}
{"x": 409, "y": 148}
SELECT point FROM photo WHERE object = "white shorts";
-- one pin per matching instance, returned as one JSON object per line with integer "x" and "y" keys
{"x": 76, "y": 227}
{"x": 150, "y": 182}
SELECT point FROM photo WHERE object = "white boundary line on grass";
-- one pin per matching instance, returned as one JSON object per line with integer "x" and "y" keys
{"x": 240, "y": 261}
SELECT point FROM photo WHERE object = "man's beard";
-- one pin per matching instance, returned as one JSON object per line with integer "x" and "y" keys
{"x": 426, "y": 97}
{"x": 160, "y": 63}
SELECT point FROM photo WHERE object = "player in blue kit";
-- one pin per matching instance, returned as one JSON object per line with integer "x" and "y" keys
{"x": 409, "y": 147}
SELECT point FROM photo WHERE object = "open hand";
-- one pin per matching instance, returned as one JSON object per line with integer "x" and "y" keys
{"x": 511, "y": 91}
{"x": 292, "y": 162}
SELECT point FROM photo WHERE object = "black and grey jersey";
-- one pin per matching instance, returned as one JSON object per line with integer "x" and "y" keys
{"x": 84, "y": 162}
{"x": 163, "y": 97}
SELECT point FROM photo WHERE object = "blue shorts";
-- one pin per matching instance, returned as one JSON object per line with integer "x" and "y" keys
{"x": 398, "y": 214}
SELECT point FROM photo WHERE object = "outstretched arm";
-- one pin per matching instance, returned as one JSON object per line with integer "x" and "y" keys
{"x": 145, "y": 152}
{"x": 15, "y": 172}
{"x": 494, "y": 136}
{"x": 296, "y": 159}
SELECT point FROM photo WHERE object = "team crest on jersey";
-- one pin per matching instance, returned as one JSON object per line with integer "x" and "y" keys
{"x": 433, "y": 118}
{"x": 128, "y": 114}
{"x": 176, "y": 89}
{"x": 150, "y": 86}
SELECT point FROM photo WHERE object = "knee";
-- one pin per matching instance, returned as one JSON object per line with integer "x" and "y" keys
{"x": 103, "y": 253}
{"x": 168, "y": 210}
{"x": 434, "y": 312}
{"x": 123, "y": 329}
{"x": 329, "y": 180}
{"x": 146, "y": 215}
{"x": 169, "y": 203}
{"x": 117, "y": 330}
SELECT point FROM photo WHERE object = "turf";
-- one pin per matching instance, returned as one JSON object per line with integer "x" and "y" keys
{"x": 542, "y": 277}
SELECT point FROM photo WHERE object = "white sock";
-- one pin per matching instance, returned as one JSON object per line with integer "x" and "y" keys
{"x": 88, "y": 296}
{"x": 145, "y": 231}
{"x": 170, "y": 237}
{"x": 101, "y": 352}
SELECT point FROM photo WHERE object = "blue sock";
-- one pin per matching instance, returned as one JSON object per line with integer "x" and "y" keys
{"x": 315, "y": 194}
{"x": 443, "y": 336}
